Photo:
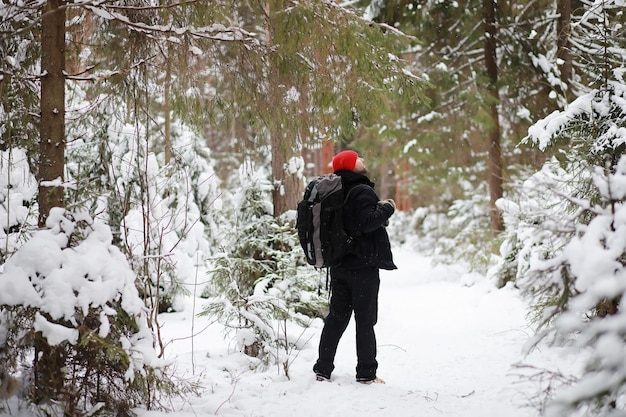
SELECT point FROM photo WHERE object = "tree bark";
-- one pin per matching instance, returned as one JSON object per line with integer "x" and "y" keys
{"x": 287, "y": 185}
{"x": 328, "y": 151}
{"x": 563, "y": 52}
{"x": 167, "y": 107}
{"x": 493, "y": 134}
{"x": 52, "y": 126}
{"x": 48, "y": 361}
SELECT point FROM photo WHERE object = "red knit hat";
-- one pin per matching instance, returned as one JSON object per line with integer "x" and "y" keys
{"x": 345, "y": 160}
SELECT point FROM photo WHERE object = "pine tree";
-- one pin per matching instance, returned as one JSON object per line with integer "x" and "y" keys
{"x": 19, "y": 89}
{"x": 258, "y": 287}
{"x": 562, "y": 247}
{"x": 73, "y": 327}
{"x": 446, "y": 137}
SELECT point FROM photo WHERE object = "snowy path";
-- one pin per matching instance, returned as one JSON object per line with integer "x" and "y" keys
{"x": 444, "y": 349}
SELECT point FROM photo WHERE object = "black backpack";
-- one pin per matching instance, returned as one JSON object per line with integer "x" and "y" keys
{"x": 320, "y": 222}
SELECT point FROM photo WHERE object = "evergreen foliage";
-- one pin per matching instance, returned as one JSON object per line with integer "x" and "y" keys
{"x": 158, "y": 212}
{"x": 446, "y": 51}
{"x": 258, "y": 287}
{"x": 85, "y": 314}
{"x": 566, "y": 250}
{"x": 255, "y": 82}
{"x": 19, "y": 87}
{"x": 17, "y": 193}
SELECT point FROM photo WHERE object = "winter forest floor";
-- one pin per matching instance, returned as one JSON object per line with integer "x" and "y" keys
{"x": 448, "y": 345}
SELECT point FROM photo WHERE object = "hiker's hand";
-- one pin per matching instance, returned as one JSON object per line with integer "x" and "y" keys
{"x": 387, "y": 206}
{"x": 388, "y": 201}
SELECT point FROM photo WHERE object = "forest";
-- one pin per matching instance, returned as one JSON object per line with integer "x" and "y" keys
{"x": 152, "y": 149}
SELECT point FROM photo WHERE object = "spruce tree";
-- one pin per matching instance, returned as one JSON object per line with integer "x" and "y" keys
{"x": 563, "y": 247}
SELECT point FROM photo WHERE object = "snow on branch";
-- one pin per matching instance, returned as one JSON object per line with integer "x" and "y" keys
{"x": 590, "y": 108}
{"x": 216, "y": 31}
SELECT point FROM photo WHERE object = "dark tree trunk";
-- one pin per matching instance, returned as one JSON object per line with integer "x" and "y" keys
{"x": 287, "y": 186}
{"x": 52, "y": 128}
{"x": 563, "y": 52}
{"x": 167, "y": 108}
{"x": 48, "y": 361}
{"x": 493, "y": 134}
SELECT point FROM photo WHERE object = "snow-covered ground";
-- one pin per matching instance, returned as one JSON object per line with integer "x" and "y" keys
{"x": 448, "y": 343}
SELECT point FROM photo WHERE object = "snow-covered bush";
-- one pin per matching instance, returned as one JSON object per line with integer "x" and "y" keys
{"x": 457, "y": 231}
{"x": 165, "y": 229}
{"x": 543, "y": 216}
{"x": 539, "y": 221}
{"x": 468, "y": 228}
{"x": 18, "y": 188}
{"x": 597, "y": 259}
{"x": 259, "y": 287}
{"x": 71, "y": 316}
{"x": 566, "y": 245}
{"x": 20, "y": 54}
{"x": 159, "y": 212}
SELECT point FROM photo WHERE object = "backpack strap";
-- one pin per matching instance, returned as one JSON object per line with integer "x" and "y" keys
{"x": 352, "y": 189}
{"x": 328, "y": 285}
{"x": 313, "y": 195}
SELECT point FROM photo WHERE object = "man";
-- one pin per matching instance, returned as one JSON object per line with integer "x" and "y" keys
{"x": 355, "y": 282}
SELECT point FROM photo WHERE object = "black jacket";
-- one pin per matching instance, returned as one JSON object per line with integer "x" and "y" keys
{"x": 364, "y": 220}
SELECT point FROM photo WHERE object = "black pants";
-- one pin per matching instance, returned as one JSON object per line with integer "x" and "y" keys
{"x": 351, "y": 290}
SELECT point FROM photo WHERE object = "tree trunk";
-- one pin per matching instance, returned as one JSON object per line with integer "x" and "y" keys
{"x": 287, "y": 185}
{"x": 563, "y": 52}
{"x": 52, "y": 127}
{"x": 48, "y": 367}
{"x": 493, "y": 134}
{"x": 328, "y": 151}
{"x": 167, "y": 107}
{"x": 48, "y": 361}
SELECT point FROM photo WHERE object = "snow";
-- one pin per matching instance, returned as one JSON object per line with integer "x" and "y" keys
{"x": 63, "y": 281}
{"x": 448, "y": 342}
{"x": 292, "y": 96}
{"x": 55, "y": 333}
{"x": 17, "y": 188}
